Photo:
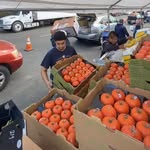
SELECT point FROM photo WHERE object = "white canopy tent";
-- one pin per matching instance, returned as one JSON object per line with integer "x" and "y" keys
{"x": 73, "y": 5}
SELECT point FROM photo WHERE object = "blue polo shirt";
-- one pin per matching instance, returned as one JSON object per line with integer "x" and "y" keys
{"x": 55, "y": 55}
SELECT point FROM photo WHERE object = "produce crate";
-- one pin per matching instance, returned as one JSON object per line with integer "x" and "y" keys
{"x": 41, "y": 134}
{"x": 141, "y": 43}
{"x": 101, "y": 70}
{"x": 11, "y": 126}
{"x": 98, "y": 136}
{"x": 29, "y": 144}
{"x": 58, "y": 80}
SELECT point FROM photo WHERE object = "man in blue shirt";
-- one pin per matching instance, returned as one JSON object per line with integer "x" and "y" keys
{"x": 121, "y": 32}
{"x": 57, "y": 53}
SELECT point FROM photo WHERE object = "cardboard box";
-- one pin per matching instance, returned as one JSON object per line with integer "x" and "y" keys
{"x": 70, "y": 25}
{"x": 41, "y": 134}
{"x": 135, "y": 67}
{"x": 11, "y": 125}
{"x": 58, "y": 80}
{"x": 147, "y": 38}
{"x": 92, "y": 134}
{"x": 28, "y": 144}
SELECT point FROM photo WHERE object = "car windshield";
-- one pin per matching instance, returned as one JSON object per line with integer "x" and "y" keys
{"x": 112, "y": 27}
{"x": 105, "y": 20}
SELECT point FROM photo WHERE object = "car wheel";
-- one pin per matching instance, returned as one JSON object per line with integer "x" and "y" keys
{"x": 17, "y": 27}
{"x": 4, "y": 77}
{"x": 79, "y": 39}
{"x": 99, "y": 42}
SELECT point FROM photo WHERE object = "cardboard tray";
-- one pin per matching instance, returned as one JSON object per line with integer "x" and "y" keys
{"x": 70, "y": 25}
{"x": 147, "y": 38}
{"x": 98, "y": 136}
{"x": 28, "y": 144}
{"x": 61, "y": 83}
{"x": 41, "y": 134}
{"x": 134, "y": 69}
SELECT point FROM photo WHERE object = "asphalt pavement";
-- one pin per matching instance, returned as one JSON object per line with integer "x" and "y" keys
{"x": 26, "y": 86}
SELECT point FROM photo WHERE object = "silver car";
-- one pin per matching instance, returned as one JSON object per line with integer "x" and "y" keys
{"x": 92, "y": 26}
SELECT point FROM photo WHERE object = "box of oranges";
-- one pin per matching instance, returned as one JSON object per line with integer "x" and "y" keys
{"x": 113, "y": 116}
{"x": 50, "y": 122}
{"x": 114, "y": 72}
{"x": 143, "y": 49}
{"x": 73, "y": 73}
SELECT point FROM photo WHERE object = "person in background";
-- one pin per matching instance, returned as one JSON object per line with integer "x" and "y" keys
{"x": 60, "y": 51}
{"x": 121, "y": 32}
{"x": 111, "y": 44}
{"x": 138, "y": 25}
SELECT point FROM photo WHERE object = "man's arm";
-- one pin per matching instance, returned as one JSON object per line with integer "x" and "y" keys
{"x": 125, "y": 31}
{"x": 45, "y": 77}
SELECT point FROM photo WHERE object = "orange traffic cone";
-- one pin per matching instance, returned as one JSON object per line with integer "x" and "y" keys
{"x": 28, "y": 45}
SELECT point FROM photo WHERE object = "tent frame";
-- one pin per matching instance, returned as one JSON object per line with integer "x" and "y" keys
{"x": 108, "y": 12}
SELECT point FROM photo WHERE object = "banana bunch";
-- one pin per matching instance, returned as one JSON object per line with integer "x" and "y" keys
{"x": 140, "y": 35}
{"x": 130, "y": 43}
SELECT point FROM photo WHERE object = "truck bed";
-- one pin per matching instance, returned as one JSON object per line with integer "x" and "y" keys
{"x": 44, "y": 15}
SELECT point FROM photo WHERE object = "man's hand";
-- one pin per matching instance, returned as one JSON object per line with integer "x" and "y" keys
{"x": 45, "y": 78}
{"x": 130, "y": 37}
{"x": 49, "y": 85}
{"x": 121, "y": 46}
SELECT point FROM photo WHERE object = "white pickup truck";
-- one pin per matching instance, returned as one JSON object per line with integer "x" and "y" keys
{"x": 20, "y": 20}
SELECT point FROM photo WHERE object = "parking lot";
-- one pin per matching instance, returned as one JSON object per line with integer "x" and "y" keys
{"x": 26, "y": 85}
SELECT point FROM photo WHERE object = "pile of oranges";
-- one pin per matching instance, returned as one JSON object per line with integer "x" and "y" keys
{"x": 125, "y": 112}
{"x": 144, "y": 52}
{"x": 77, "y": 72}
{"x": 116, "y": 72}
{"x": 58, "y": 116}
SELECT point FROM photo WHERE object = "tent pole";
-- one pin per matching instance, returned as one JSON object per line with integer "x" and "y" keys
{"x": 108, "y": 12}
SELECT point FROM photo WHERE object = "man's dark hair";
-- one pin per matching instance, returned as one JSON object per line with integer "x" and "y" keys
{"x": 112, "y": 34}
{"x": 59, "y": 35}
{"x": 121, "y": 21}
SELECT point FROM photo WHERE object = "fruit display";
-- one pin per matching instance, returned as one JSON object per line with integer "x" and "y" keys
{"x": 77, "y": 71}
{"x": 117, "y": 72}
{"x": 124, "y": 111}
{"x": 130, "y": 43}
{"x": 144, "y": 52}
{"x": 57, "y": 115}
{"x": 140, "y": 35}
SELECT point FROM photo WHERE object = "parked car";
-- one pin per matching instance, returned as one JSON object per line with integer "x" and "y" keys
{"x": 10, "y": 60}
{"x": 92, "y": 26}
{"x": 105, "y": 33}
{"x": 147, "y": 15}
